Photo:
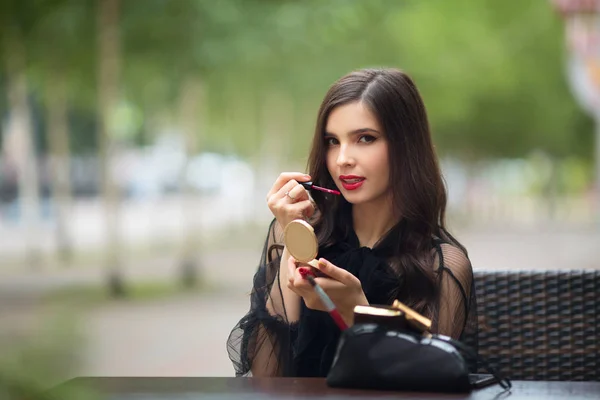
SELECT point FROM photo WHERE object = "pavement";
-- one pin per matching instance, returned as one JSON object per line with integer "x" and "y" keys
{"x": 183, "y": 336}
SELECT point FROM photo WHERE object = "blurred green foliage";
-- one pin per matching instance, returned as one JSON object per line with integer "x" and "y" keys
{"x": 33, "y": 363}
{"x": 491, "y": 72}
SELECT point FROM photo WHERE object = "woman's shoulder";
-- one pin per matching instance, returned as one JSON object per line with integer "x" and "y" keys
{"x": 451, "y": 255}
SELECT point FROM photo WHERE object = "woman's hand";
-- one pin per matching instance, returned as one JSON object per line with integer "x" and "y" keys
{"x": 288, "y": 200}
{"x": 341, "y": 286}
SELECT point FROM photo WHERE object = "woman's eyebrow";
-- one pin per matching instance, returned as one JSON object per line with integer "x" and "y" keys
{"x": 355, "y": 131}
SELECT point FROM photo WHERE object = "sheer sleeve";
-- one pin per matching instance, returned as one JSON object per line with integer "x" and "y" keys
{"x": 261, "y": 343}
{"x": 456, "y": 312}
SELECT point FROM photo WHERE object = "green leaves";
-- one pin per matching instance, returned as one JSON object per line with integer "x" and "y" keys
{"x": 491, "y": 73}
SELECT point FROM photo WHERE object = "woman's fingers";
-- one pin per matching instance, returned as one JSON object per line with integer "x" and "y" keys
{"x": 290, "y": 202}
{"x": 300, "y": 285}
{"x": 297, "y": 193}
{"x": 337, "y": 273}
{"x": 293, "y": 274}
{"x": 284, "y": 178}
{"x": 302, "y": 209}
{"x": 291, "y": 269}
{"x": 280, "y": 196}
{"x": 295, "y": 281}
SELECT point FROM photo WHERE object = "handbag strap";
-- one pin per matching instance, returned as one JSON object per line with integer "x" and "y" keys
{"x": 500, "y": 378}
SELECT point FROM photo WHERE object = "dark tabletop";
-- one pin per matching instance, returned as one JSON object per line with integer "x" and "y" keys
{"x": 304, "y": 388}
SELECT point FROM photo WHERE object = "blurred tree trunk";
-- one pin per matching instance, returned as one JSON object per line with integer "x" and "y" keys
{"x": 58, "y": 141}
{"x": 20, "y": 144}
{"x": 190, "y": 115}
{"x": 109, "y": 60}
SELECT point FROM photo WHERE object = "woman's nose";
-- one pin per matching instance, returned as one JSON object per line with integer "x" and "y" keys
{"x": 344, "y": 157}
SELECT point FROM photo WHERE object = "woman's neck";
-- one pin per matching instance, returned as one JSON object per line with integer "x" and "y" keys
{"x": 372, "y": 220}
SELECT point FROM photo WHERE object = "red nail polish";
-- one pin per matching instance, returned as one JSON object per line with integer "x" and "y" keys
{"x": 304, "y": 272}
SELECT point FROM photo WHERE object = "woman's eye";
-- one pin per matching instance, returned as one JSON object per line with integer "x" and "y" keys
{"x": 329, "y": 141}
{"x": 367, "y": 139}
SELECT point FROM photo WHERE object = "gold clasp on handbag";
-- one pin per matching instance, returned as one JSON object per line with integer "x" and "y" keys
{"x": 413, "y": 318}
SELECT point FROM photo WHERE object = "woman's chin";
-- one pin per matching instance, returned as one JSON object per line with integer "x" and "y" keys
{"x": 356, "y": 198}
{"x": 353, "y": 198}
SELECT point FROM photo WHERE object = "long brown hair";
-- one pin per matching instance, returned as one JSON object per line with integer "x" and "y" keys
{"x": 418, "y": 191}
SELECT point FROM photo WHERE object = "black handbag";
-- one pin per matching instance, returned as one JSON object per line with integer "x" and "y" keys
{"x": 393, "y": 354}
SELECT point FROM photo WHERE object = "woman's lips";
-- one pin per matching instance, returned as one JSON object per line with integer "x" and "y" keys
{"x": 352, "y": 182}
{"x": 352, "y": 186}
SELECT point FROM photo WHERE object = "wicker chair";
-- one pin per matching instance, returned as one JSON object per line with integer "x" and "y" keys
{"x": 540, "y": 325}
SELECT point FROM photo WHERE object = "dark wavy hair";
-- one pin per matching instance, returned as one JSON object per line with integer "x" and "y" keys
{"x": 418, "y": 191}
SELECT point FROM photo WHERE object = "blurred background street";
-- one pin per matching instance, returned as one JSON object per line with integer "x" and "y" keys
{"x": 139, "y": 138}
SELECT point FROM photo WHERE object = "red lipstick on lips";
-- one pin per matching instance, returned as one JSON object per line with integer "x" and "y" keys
{"x": 352, "y": 182}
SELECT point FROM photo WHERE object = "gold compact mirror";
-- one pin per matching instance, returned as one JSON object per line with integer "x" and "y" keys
{"x": 300, "y": 240}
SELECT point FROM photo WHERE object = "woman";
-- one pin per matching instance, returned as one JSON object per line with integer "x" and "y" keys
{"x": 383, "y": 239}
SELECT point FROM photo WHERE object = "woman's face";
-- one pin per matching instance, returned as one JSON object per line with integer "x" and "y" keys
{"x": 357, "y": 154}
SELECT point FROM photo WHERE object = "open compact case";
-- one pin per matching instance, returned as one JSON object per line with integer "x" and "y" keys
{"x": 301, "y": 242}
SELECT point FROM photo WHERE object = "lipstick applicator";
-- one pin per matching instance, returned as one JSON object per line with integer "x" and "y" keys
{"x": 311, "y": 186}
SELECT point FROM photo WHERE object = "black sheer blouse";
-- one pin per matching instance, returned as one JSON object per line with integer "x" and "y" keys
{"x": 265, "y": 342}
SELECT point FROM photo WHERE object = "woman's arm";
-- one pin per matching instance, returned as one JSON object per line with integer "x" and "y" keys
{"x": 282, "y": 301}
{"x": 262, "y": 341}
{"x": 269, "y": 343}
{"x": 455, "y": 280}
